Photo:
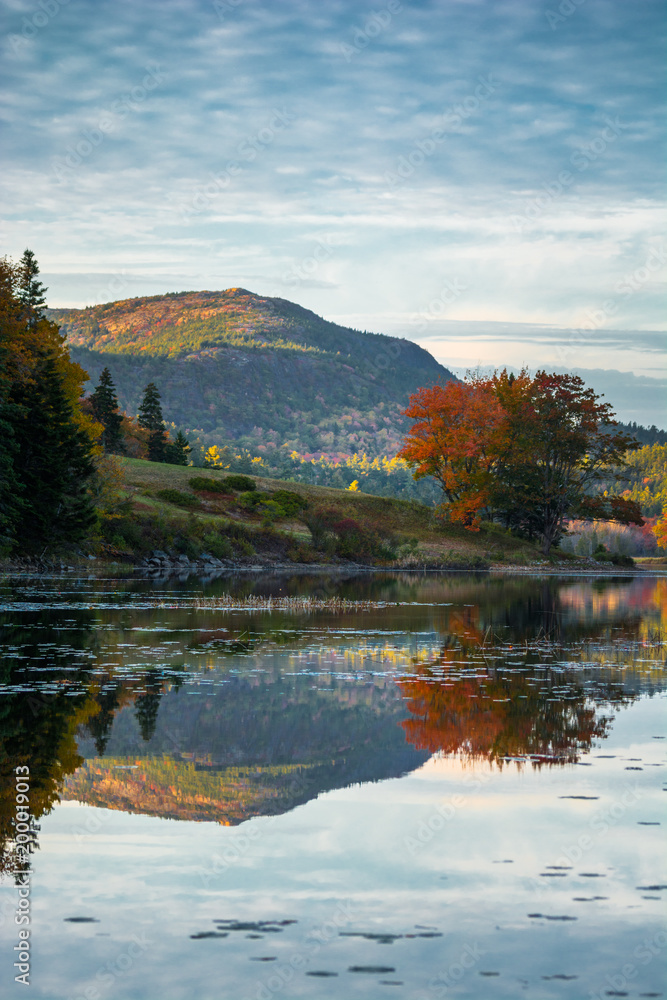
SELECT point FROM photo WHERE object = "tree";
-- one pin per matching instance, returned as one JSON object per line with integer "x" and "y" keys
{"x": 528, "y": 452}
{"x": 47, "y": 443}
{"x": 31, "y": 292}
{"x": 55, "y": 463}
{"x": 457, "y": 440}
{"x": 150, "y": 417}
{"x": 660, "y": 530}
{"x": 105, "y": 409}
{"x": 177, "y": 451}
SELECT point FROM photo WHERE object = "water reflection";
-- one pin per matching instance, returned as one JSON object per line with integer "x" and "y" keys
{"x": 517, "y": 681}
{"x": 156, "y": 702}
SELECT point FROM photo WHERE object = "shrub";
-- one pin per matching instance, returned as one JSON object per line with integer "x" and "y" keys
{"x": 238, "y": 484}
{"x": 251, "y": 499}
{"x": 291, "y": 503}
{"x": 170, "y": 495}
{"x": 209, "y": 485}
{"x": 615, "y": 558}
{"x": 217, "y": 545}
{"x": 347, "y": 538}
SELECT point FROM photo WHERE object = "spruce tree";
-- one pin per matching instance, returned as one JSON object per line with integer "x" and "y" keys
{"x": 46, "y": 442}
{"x": 150, "y": 417}
{"x": 105, "y": 408}
{"x": 31, "y": 292}
{"x": 177, "y": 451}
{"x": 54, "y": 463}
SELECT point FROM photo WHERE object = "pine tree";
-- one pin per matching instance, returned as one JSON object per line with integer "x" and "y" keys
{"x": 46, "y": 442}
{"x": 31, "y": 292}
{"x": 150, "y": 417}
{"x": 105, "y": 408}
{"x": 177, "y": 451}
{"x": 54, "y": 463}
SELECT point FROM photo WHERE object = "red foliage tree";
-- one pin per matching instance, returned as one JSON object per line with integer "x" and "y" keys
{"x": 529, "y": 452}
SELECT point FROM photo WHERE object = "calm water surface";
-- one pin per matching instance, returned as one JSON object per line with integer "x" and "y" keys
{"x": 453, "y": 787}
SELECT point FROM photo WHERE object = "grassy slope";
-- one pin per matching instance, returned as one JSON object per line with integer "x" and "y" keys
{"x": 438, "y": 543}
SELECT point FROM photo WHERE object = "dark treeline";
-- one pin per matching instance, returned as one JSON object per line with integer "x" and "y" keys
{"x": 47, "y": 443}
{"x": 52, "y": 440}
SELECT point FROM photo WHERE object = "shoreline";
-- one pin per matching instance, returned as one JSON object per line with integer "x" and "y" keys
{"x": 209, "y": 570}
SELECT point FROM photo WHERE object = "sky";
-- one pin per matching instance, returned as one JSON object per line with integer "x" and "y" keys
{"x": 485, "y": 177}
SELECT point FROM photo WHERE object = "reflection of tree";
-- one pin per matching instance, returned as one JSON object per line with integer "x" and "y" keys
{"x": 147, "y": 704}
{"x": 99, "y": 726}
{"x": 39, "y": 731}
{"x": 496, "y": 715}
{"x": 469, "y": 701}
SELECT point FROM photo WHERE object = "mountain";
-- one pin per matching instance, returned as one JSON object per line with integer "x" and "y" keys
{"x": 259, "y": 372}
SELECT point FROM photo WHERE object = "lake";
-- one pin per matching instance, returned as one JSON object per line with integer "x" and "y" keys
{"x": 418, "y": 786}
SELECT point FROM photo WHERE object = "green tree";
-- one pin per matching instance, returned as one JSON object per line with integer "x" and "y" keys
{"x": 47, "y": 444}
{"x": 31, "y": 291}
{"x": 54, "y": 462}
{"x": 105, "y": 408}
{"x": 177, "y": 451}
{"x": 150, "y": 417}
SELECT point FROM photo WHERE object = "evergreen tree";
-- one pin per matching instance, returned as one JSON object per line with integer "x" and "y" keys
{"x": 46, "y": 442}
{"x": 177, "y": 451}
{"x": 54, "y": 462}
{"x": 31, "y": 291}
{"x": 150, "y": 417}
{"x": 105, "y": 408}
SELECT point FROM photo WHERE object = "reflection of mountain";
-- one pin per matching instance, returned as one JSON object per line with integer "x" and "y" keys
{"x": 249, "y": 747}
{"x": 527, "y": 667}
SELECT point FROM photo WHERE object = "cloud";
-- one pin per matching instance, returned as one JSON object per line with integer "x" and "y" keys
{"x": 523, "y": 191}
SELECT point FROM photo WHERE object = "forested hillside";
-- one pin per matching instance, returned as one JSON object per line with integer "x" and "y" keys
{"x": 262, "y": 373}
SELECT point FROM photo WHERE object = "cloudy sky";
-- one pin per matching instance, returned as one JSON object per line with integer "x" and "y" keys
{"x": 483, "y": 176}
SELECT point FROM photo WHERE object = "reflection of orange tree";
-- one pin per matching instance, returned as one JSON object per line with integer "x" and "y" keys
{"x": 495, "y": 716}
{"x": 469, "y": 702}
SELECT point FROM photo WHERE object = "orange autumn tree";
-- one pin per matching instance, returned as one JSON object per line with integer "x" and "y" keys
{"x": 457, "y": 439}
{"x": 528, "y": 452}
